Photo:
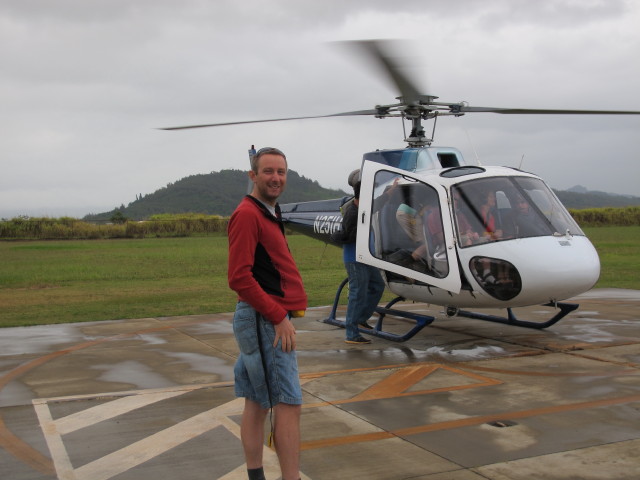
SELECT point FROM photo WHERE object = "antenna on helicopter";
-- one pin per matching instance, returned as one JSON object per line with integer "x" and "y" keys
{"x": 473, "y": 147}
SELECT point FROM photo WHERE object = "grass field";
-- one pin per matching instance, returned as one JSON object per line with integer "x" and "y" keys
{"x": 619, "y": 251}
{"x": 45, "y": 282}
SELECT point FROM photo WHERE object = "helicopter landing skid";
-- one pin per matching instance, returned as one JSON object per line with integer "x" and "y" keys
{"x": 421, "y": 320}
{"x": 511, "y": 319}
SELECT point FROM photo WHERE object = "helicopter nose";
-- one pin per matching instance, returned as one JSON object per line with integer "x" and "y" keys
{"x": 568, "y": 267}
{"x": 554, "y": 269}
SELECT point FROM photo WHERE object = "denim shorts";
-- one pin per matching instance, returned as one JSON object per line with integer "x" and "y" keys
{"x": 281, "y": 384}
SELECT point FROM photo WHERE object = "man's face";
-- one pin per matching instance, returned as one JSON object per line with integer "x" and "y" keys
{"x": 269, "y": 182}
{"x": 523, "y": 206}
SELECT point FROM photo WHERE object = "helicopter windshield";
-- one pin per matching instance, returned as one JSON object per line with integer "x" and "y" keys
{"x": 504, "y": 208}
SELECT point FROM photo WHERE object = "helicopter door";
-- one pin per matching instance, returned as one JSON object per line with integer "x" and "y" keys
{"x": 404, "y": 228}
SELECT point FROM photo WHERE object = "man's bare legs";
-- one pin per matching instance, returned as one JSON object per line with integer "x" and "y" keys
{"x": 252, "y": 433}
{"x": 287, "y": 439}
{"x": 286, "y": 436}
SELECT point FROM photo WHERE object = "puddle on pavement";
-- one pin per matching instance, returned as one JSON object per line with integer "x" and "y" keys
{"x": 135, "y": 373}
{"x": 38, "y": 339}
{"x": 477, "y": 352}
{"x": 205, "y": 364}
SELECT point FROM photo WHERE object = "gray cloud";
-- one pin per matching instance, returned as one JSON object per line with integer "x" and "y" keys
{"x": 85, "y": 84}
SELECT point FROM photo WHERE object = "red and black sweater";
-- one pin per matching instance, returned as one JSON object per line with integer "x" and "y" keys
{"x": 261, "y": 268}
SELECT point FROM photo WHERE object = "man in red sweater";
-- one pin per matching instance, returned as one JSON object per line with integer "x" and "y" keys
{"x": 270, "y": 291}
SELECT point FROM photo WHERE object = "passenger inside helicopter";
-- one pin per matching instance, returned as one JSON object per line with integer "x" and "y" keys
{"x": 502, "y": 209}
{"x": 467, "y": 236}
{"x": 409, "y": 226}
{"x": 527, "y": 223}
{"x": 491, "y": 218}
{"x": 505, "y": 208}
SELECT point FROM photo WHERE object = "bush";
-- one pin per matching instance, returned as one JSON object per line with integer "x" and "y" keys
{"x": 64, "y": 228}
{"x": 191, "y": 224}
{"x": 614, "y": 217}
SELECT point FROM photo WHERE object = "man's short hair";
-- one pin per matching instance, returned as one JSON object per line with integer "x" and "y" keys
{"x": 263, "y": 151}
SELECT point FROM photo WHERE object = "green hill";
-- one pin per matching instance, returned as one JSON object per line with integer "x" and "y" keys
{"x": 579, "y": 198}
{"x": 216, "y": 193}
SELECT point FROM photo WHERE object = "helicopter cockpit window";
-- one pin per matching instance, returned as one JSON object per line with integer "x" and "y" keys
{"x": 504, "y": 208}
{"x": 547, "y": 205}
{"x": 404, "y": 159}
{"x": 448, "y": 160}
{"x": 407, "y": 225}
{"x": 478, "y": 217}
{"x": 426, "y": 161}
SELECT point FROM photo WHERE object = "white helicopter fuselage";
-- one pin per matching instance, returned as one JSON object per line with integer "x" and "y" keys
{"x": 499, "y": 236}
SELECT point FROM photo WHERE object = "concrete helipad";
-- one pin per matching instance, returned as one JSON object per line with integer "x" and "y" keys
{"x": 463, "y": 400}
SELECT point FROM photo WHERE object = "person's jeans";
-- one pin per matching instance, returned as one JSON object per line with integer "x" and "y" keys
{"x": 365, "y": 289}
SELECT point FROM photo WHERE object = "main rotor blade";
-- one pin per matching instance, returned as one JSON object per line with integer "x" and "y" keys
{"x": 534, "y": 111}
{"x": 344, "y": 114}
{"x": 378, "y": 52}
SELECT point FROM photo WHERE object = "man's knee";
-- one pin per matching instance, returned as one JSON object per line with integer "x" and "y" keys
{"x": 288, "y": 407}
{"x": 287, "y": 412}
{"x": 254, "y": 409}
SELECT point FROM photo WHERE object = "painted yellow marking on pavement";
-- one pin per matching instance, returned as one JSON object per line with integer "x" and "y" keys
{"x": 23, "y": 451}
{"x": 146, "y": 449}
{"x": 401, "y": 379}
{"x": 466, "y": 422}
{"x": 397, "y": 383}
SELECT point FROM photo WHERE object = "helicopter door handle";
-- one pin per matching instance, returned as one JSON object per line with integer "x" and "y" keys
{"x": 363, "y": 217}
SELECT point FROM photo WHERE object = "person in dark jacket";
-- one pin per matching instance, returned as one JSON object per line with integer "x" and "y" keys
{"x": 365, "y": 282}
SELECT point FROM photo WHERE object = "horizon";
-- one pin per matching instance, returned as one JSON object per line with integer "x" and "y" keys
{"x": 80, "y": 212}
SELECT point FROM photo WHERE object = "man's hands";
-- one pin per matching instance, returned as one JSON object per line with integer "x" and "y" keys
{"x": 286, "y": 332}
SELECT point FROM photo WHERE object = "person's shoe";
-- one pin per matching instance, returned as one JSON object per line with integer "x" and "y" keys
{"x": 358, "y": 341}
{"x": 365, "y": 325}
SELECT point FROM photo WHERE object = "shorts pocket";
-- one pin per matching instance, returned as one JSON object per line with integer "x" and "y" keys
{"x": 244, "y": 329}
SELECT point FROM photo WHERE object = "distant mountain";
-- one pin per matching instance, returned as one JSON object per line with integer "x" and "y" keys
{"x": 578, "y": 189}
{"x": 215, "y": 193}
{"x": 579, "y": 197}
{"x": 218, "y": 193}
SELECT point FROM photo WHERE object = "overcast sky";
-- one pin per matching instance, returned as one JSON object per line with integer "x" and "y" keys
{"x": 86, "y": 83}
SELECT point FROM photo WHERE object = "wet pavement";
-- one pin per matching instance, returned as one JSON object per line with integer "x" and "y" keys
{"x": 462, "y": 400}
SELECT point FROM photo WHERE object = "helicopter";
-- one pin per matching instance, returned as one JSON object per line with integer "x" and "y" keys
{"x": 449, "y": 233}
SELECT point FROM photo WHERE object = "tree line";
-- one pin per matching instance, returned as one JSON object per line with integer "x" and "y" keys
{"x": 183, "y": 225}
{"x": 67, "y": 228}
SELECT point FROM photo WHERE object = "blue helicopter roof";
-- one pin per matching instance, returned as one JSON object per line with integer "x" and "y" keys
{"x": 418, "y": 159}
